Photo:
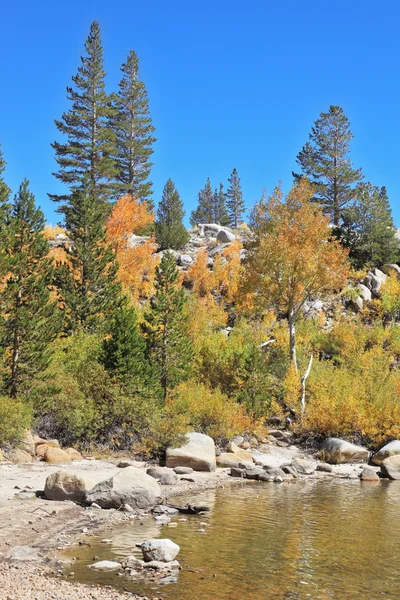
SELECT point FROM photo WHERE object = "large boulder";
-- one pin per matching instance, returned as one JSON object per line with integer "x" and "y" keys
{"x": 67, "y": 486}
{"x": 364, "y": 292}
{"x": 225, "y": 236}
{"x": 336, "y": 451}
{"x": 20, "y": 456}
{"x": 74, "y": 454}
{"x": 56, "y": 456}
{"x": 374, "y": 281}
{"x": 391, "y": 449}
{"x": 129, "y": 486}
{"x": 303, "y": 466}
{"x": 160, "y": 550}
{"x": 28, "y": 442}
{"x": 393, "y": 270}
{"x": 391, "y": 467}
{"x": 198, "y": 453}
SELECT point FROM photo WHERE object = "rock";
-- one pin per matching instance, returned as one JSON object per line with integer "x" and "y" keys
{"x": 337, "y": 451}
{"x": 391, "y": 467}
{"x": 228, "y": 459}
{"x": 325, "y": 468}
{"x": 232, "y": 447}
{"x": 374, "y": 281}
{"x": 155, "y": 472}
{"x": 183, "y": 470}
{"x": 74, "y": 454}
{"x": 289, "y": 470}
{"x": 254, "y": 473}
{"x": 28, "y": 442}
{"x": 225, "y": 236}
{"x": 304, "y": 467}
{"x": 56, "y": 456}
{"x": 277, "y": 434}
{"x": 161, "y": 550}
{"x": 368, "y": 474}
{"x": 106, "y": 565}
{"x": 357, "y": 304}
{"x": 168, "y": 479}
{"x": 364, "y": 292}
{"x": 245, "y": 445}
{"x": 185, "y": 260}
{"x": 391, "y": 270}
{"x": 208, "y": 229}
{"x": 391, "y": 449}
{"x": 41, "y": 450}
{"x": 129, "y": 486}
{"x": 53, "y": 443}
{"x": 20, "y": 456}
{"x": 67, "y": 486}
{"x": 163, "y": 509}
{"x": 198, "y": 453}
{"x": 130, "y": 463}
{"x": 158, "y": 565}
{"x": 21, "y": 553}
{"x": 238, "y": 439}
{"x": 237, "y": 472}
{"x": 127, "y": 508}
{"x": 275, "y": 472}
{"x": 265, "y": 477}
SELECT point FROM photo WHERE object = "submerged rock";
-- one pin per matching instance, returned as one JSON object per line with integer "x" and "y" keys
{"x": 130, "y": 486}
{"x": 337, "y": 451}
{"x": 198, "y": 453}
{"x": 159, "y": 550}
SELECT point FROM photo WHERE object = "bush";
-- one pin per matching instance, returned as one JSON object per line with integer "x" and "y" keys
{"x": 207, "y": 411}
{"x": 15, "y": 416}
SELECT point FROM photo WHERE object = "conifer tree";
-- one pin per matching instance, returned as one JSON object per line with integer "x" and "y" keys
{"x": 204, "y": 213}
{"x": 29, "y": 319}
{"x": 368, "y": 229}
{"x": 89, "y": 146}
{"x": 166, "y": 327}
{"x": 88, "y": 287}
{"x": 133, "y": 129}
{"x": 219, "y": 207}
{"x": 170, "y": 230}
{"x": 325, "y": 161}
{"x": 4, "y": 189}
{"x": 124, "y": 350}
{"x": 235, "y": 202}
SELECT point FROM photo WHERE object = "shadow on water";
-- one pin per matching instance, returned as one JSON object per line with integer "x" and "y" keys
{"x": 336, "y": 540}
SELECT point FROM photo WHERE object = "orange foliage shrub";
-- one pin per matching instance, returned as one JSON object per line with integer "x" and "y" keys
{"x": 128, "y": 216}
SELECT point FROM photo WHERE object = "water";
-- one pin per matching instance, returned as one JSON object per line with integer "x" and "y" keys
{"x": 310, "y": 539}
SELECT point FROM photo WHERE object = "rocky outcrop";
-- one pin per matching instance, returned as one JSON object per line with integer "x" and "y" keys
{"x": 198, "y": 453}
{"x": 391, "y": 449}
{"x": 159, "y": 550}
{"x": 337, "y": 451}
{"x": 67, "y": 486}
{"x": 129, "y": 486}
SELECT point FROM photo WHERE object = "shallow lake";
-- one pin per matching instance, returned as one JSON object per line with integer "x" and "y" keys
{"x": 336, "y": 540}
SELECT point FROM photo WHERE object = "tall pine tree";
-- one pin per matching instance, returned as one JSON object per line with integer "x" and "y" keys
{"x": 89, "y": 147}
{"x": 219, "y": 207}
{"x": 4, "y": 189}
{"x": 325, "y": 161}
{"x": 204, "y": 213}
{"x": 166, "y": 327}
{"x": 368, "y": 229}
{"x": 235, "y": 203}
{"x": 170, "y": 230}
{"x": 133, "y": 129}
{"x": 88, "y": 287}
{"x": 29, "y": 319}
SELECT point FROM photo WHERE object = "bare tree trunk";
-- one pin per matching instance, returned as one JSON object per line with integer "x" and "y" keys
{"x": 303, "y": 386}
{"x": 292, "y": 336}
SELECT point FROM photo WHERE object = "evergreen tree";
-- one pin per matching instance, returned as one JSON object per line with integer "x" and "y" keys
{"x": 219, "y": 207}
{"x": 368, "y": 229}
{"x": 4, "y": 189}
{"x": 325, "y": 161}
{"x": 133, "y": 130}
{"x": 124, "y": 351}
{"x": 29, "y": 319}
{"x": 90, "y": 141}
{"x": 87, "y": 283}
{"x": 170, "y": 230}
{"x": 235, "y": 202}
{"x": 204, "y": 213}
{"x": 166, "y": 327}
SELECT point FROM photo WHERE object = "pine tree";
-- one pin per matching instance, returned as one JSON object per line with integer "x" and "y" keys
{"x": 221, "y": 216}
{"x": 325, "y": 161}
{"x": 368, "y": 229}
{"x": 235, "y": 202}
{"x": 29, "y": 319}
{"x": 204, "y": 213}
{"x": 166, "y": 327}
{"x": 170, "y": 230}
{"x": 90, "y": 141}
{"x": 4, "y": 211}
{"x": 124, "y": 351}
{"x": 88, "y": 286}
{"x": 134, "y": 138}
{"x": 4, "y": 189}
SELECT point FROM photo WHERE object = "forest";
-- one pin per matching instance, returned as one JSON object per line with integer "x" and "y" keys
{"x": 121, "y": 328}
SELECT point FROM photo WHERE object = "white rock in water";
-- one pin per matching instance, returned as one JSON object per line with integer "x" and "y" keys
{"x": 106, "y": 565}
{"x": 160, "y": 550}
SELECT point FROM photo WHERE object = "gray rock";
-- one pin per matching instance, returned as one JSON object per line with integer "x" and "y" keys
{"x": 106, "y": 565}
{"x": 185, "y": 260}
{"x": 155, "y": 472}
{"x": 225, "y": 236}
{"x": 161, "y": 550}
{"x": 236, "y": 472}
{"x": 265, "y": 477}
{"x": 67, "y": 486}
{"x": 21, "y": 553}
{"x": 304, "y": 467}
{"x": 158, "y": 565}
{"x": 368, "y": 474}
{"x": 364, "y": 292}
{"x": 325, "y": 468}
{"x": 337, "y": 451}
{"x": 163, "y": 509}
{"x": 238, "y": 439}
{"x": 168, "y": 479}
{"x": 127, "y": 508}
{"x": 232, "y": 447}
{"x": 390, "y": 449}
{"x": 275, "y": 472}
{"x": 198, "y": 453}
{"x": 254, "y": 473}
{"x": 391, "y": 467}
{"x": 241, "y": 459}
{"x": 289, "y": 470}
{"x": 130, "y": 486}
{"x": 183, "y": 470}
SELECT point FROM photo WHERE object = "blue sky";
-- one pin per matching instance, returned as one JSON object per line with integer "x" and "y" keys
{"x": 231, "y": 84}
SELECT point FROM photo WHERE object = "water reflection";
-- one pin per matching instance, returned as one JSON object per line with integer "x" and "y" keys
{"x": 310, "y": 539}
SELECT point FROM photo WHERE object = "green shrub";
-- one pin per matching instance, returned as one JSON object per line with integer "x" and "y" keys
{"x": 15, "y": 416}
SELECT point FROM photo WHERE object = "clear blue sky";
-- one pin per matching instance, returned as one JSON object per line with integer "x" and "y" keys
{"x": 231, "y": 84}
